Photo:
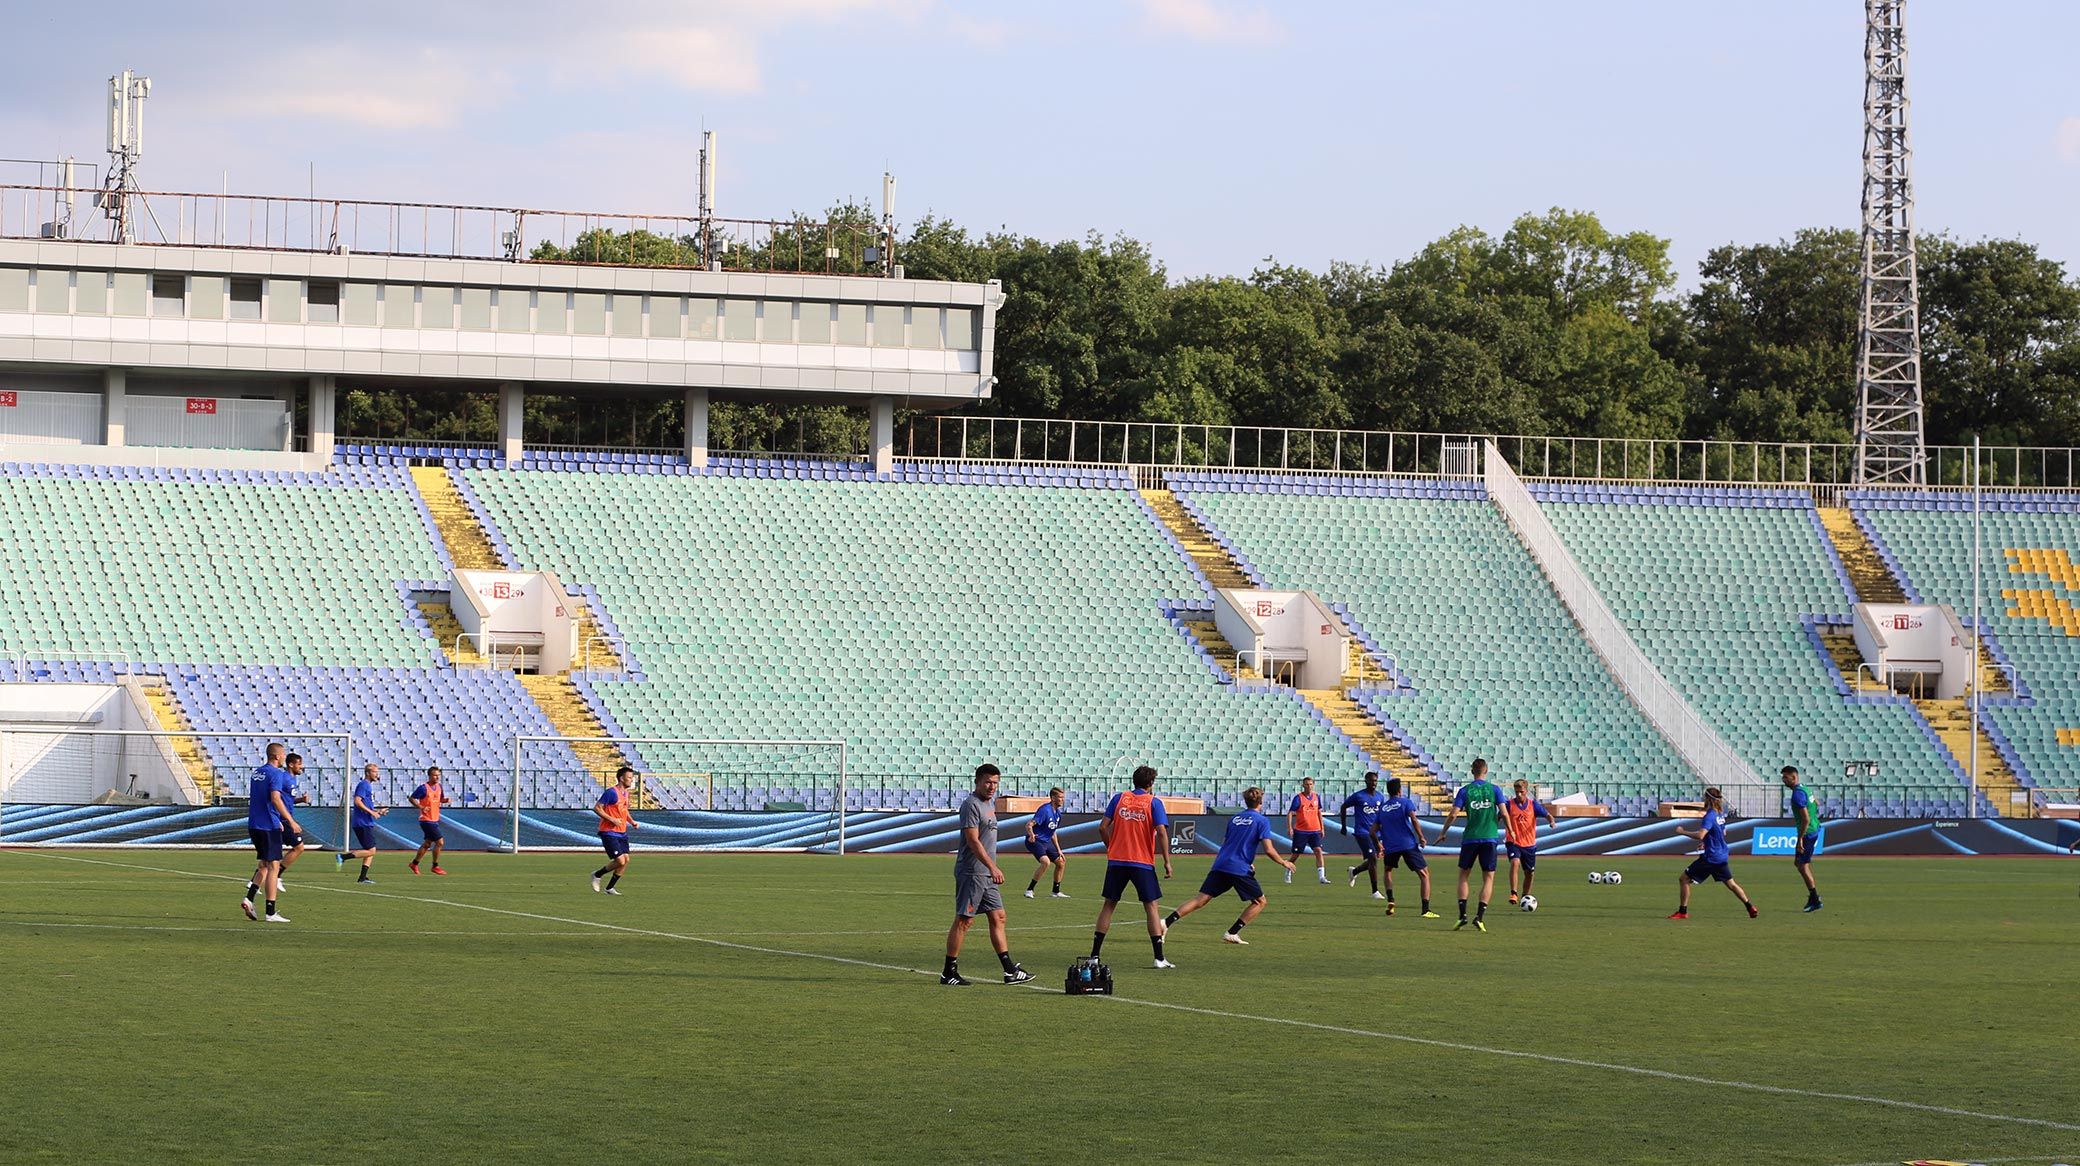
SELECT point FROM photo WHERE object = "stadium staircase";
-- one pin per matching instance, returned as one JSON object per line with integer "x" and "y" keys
{"x": 1951, "y": 719}
{"x": 1388, "y": 755}
{"x": 172, "y": 718}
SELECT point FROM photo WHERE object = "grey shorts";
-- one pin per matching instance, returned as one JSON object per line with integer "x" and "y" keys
{"x": 976, "y": 895}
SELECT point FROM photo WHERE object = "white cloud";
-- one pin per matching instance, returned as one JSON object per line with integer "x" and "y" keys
{"x": 389, "y": 90}
{"x": 701, "y": 58}
{"x": 1207, "y": 20}
{"x": 2067, "y": 139}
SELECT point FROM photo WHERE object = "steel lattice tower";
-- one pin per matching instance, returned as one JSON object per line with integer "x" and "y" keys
{"x": 1889, "y": 443}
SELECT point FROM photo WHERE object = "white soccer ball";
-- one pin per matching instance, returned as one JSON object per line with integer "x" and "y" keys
{"x": 1528, "y": 903}
{"x": 1595, "y": 876}
{"x": 1613, "y": 877}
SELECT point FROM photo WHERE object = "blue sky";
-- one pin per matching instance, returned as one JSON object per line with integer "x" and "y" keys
{"x": 1219, "y": 131}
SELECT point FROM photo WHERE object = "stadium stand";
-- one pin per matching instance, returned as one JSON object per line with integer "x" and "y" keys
{"x": 2030, "y": 587}
{"x": 1490, "y": 663}
{"x": 1720, "y": 588}
{"x": 951, "y": 615}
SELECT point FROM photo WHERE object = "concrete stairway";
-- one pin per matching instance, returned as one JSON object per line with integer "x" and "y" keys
{"x": 572, "y": 717}
{"x": 172, "y": 718}
{"x": 467, "y": 543}
{"x": 1867, "y": 571}
{"x": 1952, "y": 721}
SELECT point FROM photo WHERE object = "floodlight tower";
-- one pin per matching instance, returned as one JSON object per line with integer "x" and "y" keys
{"x": 126, "y": 94}
{"x": 1889, "y": 438}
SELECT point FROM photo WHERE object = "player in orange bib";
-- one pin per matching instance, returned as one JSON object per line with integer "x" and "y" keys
{"x": 1136, "y": 829}
{"x": 429, "y": 798}
{"x": 615, "y": 822}
{"x": 1520, "y": 830}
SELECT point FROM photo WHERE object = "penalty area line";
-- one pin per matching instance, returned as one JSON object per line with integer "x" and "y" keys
{"x": 1285, "y": 1021}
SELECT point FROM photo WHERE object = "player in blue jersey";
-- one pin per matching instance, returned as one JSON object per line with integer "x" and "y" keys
{"x": 1041, "y": 844}
{"x": 1401, "y": 841}
{"x": 1712, "y": 863}
{"x": 1805, "y": 814}
{"x": 266, "y": 817}
{"x": 1234, "y": 869}
{"x": 1367, "y": 804}
{"x": 362, "y": 821}
{"x": 292, "y": 840}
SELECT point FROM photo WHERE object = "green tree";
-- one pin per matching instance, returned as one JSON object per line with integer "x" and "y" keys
{"x": 1772, "y": 334}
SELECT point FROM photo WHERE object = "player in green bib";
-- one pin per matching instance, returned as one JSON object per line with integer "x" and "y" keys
{"x": 1481, "y": 801}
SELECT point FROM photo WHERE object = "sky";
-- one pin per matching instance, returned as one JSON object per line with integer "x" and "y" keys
{"x": 1220, "y": 132}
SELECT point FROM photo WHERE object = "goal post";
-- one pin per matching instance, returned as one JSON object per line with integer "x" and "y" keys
{"x": 50, "y": 772}
{"x": 556, "y": 780}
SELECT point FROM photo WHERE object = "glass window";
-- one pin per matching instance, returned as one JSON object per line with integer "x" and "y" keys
{"x": 740, "y": 319}
{"x": 960, "y": 329}
{"x": 852, "y": 324}
{"x": 476, "y": 308}
{"x": 552, "y": 312}
{"x": 245, "y": 299}
{"x": 322, "y": 298}
{"x": 285, "y": 301}
{"x": 925, "y": 328}
{"x": 205, "y": 296}
{"x": 14, "y": 289}
{"x": 359, "y": 306}
{"x": 54, "y": 292}
{"x": 512, "y": 309}
{"x": 628, "y": 314}
{"x": 589, "y": 313}
{"x": 400, "y": 305}
{"x": 814, "y": 324}
{"x": 89, "y": 297}
{"x": 700, "y": 319}
{"x": 130, "y": 293}
{"x": 776, "y": 321}
{"x": 436, "y": 307}
{"x": 667, "y": 316}
{"x": 888, "y": 326}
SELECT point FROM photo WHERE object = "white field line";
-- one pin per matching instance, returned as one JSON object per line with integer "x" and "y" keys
{"x": 1289, "y": 1022}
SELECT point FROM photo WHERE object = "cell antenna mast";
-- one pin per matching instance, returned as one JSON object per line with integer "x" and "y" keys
{"x": 1889, "y": 438}
{"x": 707, "y": 201}
{"x": 126, "y": 94}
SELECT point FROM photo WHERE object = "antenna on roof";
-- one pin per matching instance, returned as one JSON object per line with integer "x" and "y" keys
{"x": 888, "y": 223}
{"x": 707, "y": 201}
{"x": 126, "y": 94}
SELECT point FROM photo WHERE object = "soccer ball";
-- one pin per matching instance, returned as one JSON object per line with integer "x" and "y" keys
{"x": 1595, "y": 876}
{"x": 1613, "y": 877}
{"x": 1528, "y": 903}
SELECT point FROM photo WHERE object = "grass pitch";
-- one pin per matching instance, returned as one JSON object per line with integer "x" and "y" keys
{"x": 782, "y": 1009}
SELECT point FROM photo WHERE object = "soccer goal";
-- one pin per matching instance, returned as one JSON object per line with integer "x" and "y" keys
{"x": 183, "y": 788}
{"x": 684, "y": 787}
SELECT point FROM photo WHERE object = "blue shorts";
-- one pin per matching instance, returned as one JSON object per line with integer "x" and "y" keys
{"x": 1045, "y": 849}
{"x": 1369, "y": 842}
{"x": 1701, "y": 870}
{"x": 432, "y": 831}
{"x": 1414, "y": 858}
{"x": 1482, "y": 851}
{"x": 1118, "y": 878}
{"x": 291, "y": 839}
{"x": 1220, "y": 882}
{"x": 266, "y": 843}
{"x": 616, "y": 844}
{"x": 364, "y": 837}
{"x": 1807, "y": 844}
{"x": 1303, "y": 840}
{"x": 1528, "y": 855}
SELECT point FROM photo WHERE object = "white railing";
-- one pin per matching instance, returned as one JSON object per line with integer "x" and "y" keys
{"x": 1700, "y": 746}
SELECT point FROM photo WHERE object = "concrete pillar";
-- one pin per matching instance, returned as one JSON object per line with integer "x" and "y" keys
{"x": 324, "y": 407}
{"x": 114, "y": 405}
{"x": 881, "y": 433}
{"x": 696, "y": 414}
{"x": 512, "y": 407}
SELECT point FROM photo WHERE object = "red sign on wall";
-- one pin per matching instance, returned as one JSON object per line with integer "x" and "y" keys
{"x": 7, "y": 399}
{"x": 202, "y": 405}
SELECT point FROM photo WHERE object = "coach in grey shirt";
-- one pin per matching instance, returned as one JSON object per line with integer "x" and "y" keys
{"x": 976, "y": 878}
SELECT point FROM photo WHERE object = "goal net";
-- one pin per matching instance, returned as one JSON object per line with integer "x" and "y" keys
{"x": 689, "y": 794}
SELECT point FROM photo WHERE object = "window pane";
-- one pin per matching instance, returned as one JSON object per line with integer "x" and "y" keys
{"x": 285, "y": 301}
{"x": 130, "y": 293}
{"x": 476, "y": 309}
{"x": 436, "y": 307}
{"x": 852, "y": 323}
{"x": 552, "y": 312}
{"x": 14, "y": 289}
{"x": 89, "y": 296}
{"x": 667, "y": 316}
{"x": 54, "y": 292}
{"x": 205, "y": 296}
{"x": 400, "y": 305}
{"x": 814, "y": 326}
{"x": 776, "y": 321}
{"x": 888, "y": 326}
{"x": 322, "y": 298}
{"x": 628, "y": 314}
{"x": 512, "y": 309}
{"x": 960, "y": 328}
{"x": 360, "y": 305}
{"x": 700, "y": 319}
{"x": 740, "y": 319}
{"x": 589, "y": 313}
{"x": 925, "y": 328}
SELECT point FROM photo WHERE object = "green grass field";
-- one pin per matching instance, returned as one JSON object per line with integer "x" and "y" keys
{"x": 712, "y": 1013}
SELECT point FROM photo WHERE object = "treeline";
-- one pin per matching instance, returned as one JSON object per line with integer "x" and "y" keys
{"x": 1557, "y": 326}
